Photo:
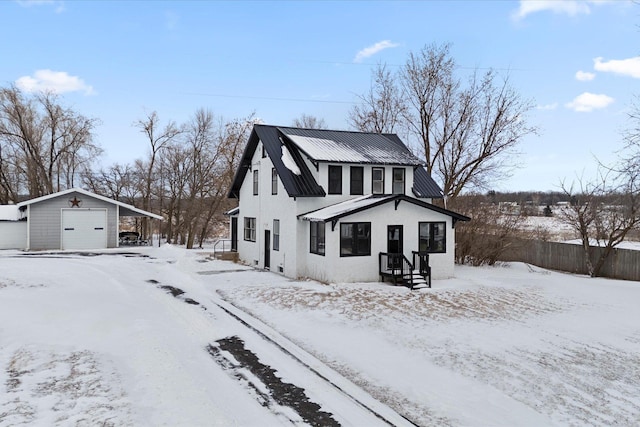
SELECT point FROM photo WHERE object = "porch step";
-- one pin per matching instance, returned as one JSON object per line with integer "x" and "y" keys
{"x": 415, "y": 282}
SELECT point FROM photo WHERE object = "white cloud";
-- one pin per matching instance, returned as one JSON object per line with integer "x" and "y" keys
{"x": 567, "y": 7}
{"x": 59, "y": 5}
{"x": 626, "y": 67}
{"x": 53, "y": 81}
{"x": 547, "y": 106}
{"x": 373, "y": 49}
{"x": 585, "y": 76}
{"x": 588, "y": 102}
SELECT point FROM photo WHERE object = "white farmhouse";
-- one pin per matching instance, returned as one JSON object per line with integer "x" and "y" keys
{"x": 339, "y": 206}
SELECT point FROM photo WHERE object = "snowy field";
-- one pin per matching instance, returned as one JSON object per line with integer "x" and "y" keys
{"x": 165, "y": 336}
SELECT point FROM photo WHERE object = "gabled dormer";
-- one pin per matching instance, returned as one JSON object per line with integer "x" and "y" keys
{"x": 337, "y": 164}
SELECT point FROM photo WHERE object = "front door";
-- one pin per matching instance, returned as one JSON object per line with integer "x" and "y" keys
{"x": 267, "y": 249}
{"x": 394, "y": 245}
{"x": 234, "y": 234}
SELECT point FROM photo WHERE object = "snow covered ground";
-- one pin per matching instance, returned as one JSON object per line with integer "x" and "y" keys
{"x": 171, "y": 337}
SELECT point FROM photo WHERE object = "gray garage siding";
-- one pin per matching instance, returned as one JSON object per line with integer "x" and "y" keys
{"x": 45, "y": 220}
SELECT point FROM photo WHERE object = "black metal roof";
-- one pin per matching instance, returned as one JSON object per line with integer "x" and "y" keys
{"x": 320, "y": 145}
{"x": 303, "y": 185}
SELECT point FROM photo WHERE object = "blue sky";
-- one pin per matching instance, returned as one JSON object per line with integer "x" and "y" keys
{"x": 118, "y": 60}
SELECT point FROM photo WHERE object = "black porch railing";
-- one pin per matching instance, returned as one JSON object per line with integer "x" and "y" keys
{"x": 400, "y": 270}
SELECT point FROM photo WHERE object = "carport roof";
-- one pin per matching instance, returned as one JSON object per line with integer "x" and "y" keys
{"x": 125, "y": 209}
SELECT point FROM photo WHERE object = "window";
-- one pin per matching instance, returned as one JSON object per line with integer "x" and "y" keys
{"x": 255, "y": 182}
{"x": 316, "y": 233}
{"x": 398, "y": 180}
{"x": 249, "y": 229}
{"x": 276, "y": 234}
{"x": 357, "y": 178}
{"x": 264, "y": 151}
{"x": 274, "y": 181}
{"x": 377, "y": 180}
{"x": 355, "y": 239}
{"x": 432, "y": 237}
{"x": 335, "y": 180}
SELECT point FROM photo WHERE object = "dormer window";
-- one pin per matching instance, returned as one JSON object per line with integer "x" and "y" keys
{"x": 335, "y": 180}
{"x": 398, "y": 181}
{"x": 377, "y": 180}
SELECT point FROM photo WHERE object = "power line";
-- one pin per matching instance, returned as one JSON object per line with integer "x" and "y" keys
{"x": 270, "y": 98}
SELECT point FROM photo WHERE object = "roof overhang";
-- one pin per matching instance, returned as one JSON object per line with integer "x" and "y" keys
{"x": 334, "y": 212}
{"x": 124, "y": 209}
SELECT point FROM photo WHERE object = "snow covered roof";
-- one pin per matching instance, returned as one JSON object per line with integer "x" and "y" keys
{"x": 350, "y": 147}
{"x": 342, "y": 208}
{"x": 9, "y": 213}
{"x": 234, "y": 211}
{"x": 125, "y": 209}
{"x": 359, "y": 204}
{"x": 287, "y": 147}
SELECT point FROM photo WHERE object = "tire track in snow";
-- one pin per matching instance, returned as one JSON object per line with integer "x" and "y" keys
{"x": 313, "y": 416}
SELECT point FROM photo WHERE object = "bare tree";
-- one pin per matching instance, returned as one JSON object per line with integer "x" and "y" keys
{"x": 118, "y": 182}
{"x": 490, "y": 234}
{"x": 382, "y": 109}
{"x": 43, "y": 145}
{"x": 467, "y": 133}
{"x": 602, "y": 212}
{"x": 158, "y": 138}
{"x": 308, "y": 121}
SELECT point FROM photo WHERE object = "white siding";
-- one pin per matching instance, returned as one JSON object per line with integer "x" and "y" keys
{"x": 334, "y": 268}
{"x": 323, "y": 179}
{"x": 294, "y": 257}
{"x": 13, "y": 234}
{"x": 266, "y": 207}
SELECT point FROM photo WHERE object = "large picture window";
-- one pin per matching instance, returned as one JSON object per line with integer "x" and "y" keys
{"x": 316, "y": 233}
{"x": 377, "y": 180}
{"x": 276, "y": 234}
{"x": 249, "y": 229}
{"x": 357, "y": 180}
{"x": 398, "y": 181}
{"x": 432, "y": 237}
{"x": 355, "y": 239}
{"x": 255, "y": 182}
{"x": 335, "y": 180}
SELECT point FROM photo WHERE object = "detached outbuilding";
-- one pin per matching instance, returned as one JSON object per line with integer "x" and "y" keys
{"x": 70, "y": 219}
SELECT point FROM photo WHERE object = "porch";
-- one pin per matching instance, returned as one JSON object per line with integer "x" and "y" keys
{"x": 414, "y": 274}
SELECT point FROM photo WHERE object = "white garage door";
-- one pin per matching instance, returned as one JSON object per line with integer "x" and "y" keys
{"x": 84, "y": 228}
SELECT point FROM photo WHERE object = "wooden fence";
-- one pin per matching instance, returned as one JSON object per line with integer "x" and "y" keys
{"x": 621, "y": 264}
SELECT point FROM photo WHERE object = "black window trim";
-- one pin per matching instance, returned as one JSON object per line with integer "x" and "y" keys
{"x": 274, "y": 182}
{"x": 373, "y": 169}
{"x": 351, "y": 181}
{"x": 404, "y": 180}
{"x": 339, "y": 176}
{"x": 252, "y": 230}
{"x": 276, "y": 235}
{"x": 431, "y": 236}
{"x": 317, "y": 225}
{"x": 255, "y": 182}
{"x": 354, "y": 239}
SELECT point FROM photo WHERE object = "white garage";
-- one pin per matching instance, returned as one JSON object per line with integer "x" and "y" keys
{"x": 74, "y": 219}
